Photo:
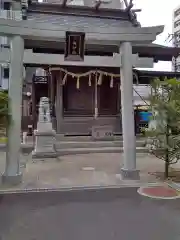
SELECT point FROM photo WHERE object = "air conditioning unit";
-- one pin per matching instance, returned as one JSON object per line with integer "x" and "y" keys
{"x": 104, "y": 1}
{"x": 24, "y": 3}
{"x": 76, "y": 2}
{"x": 4, "y": 40}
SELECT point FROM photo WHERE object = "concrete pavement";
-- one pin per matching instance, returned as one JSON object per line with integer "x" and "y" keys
{"x": 88, "y": 170}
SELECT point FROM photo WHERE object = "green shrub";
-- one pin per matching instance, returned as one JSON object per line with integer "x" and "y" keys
{"x": 165, "y": 136}
{"x": 4, "y": 113}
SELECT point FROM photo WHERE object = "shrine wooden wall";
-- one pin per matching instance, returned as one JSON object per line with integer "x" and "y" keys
{"x": 78, "y": 101}
{"x": 82, "y": 101}
{"x": 109, "y": 97}
{"x": 79, "y": 104}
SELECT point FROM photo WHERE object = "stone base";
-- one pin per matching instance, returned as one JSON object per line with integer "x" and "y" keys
{"x": 101, "y": 133}
{"x": 130, "y": 174}
{"x": 12, "y": 180}
{"x": 44, "y": 127}
{"x": 44, "y": 143}
{"x": 41, "y": 155}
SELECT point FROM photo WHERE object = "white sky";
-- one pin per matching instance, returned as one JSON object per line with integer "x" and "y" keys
{"x": 158, "y": 12}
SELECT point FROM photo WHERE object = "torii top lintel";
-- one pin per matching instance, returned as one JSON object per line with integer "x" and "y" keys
{"x": 30, "y": 29}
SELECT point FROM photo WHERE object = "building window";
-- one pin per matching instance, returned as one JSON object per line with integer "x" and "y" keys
{"x": 6, "y": 73}
{"x": 40, "y": 72}
{"x": 176, "y": 39}
{"x": 24, "y": 13}
{"x": 177, "y": 23}
{"x": 7, "y": 6}
{"x": 177, "y": 13}
{"x": 5, "y": 42}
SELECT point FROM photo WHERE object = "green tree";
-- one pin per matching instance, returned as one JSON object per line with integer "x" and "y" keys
{"x": 4, "y": 113}
{"x": 165, "y": 132}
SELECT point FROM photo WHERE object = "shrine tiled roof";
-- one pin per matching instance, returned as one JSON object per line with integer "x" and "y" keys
{"x": 115, "y": 4}
{"x": 112, "y": 10}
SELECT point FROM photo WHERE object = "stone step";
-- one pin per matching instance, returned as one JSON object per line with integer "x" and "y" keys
{"x": 73, "y": 151}
{"x": 26, "y": 149}
{"x": 69, "y": 148}
{"x": 60, "y": 137}
{"x": 83, "y": 147}
{"x": 93, "y": 144}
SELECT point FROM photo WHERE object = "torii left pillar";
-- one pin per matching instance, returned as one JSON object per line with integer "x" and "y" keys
{"x": 12, "y": 174}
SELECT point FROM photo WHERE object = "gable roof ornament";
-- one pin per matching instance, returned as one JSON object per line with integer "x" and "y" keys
{"x": 99, "y": 2}
{"x": 132, "y": 12}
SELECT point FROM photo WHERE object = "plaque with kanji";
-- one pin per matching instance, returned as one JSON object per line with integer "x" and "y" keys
{"x": 75, "y": 45}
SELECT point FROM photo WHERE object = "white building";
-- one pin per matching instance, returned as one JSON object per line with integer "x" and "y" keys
{"x": 8, "y": 10}
{"x": 176, "y": 34}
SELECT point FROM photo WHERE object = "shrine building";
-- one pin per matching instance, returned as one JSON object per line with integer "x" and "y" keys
{"x": 85, "y": 59}
{"x": 84, "y": 89}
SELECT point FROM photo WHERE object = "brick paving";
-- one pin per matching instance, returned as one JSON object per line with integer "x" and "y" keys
{"x": 163, "y": 192}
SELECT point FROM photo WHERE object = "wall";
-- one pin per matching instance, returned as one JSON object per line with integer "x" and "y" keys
{"x": 79, "y": 101}
{"x": 109, "y": 97}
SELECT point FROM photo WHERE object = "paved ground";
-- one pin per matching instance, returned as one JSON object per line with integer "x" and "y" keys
{"x": 86, "y": 170}
{"x": 81, "y": 170}
{"x": 109, "y": 214}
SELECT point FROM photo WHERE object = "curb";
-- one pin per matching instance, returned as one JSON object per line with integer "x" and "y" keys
{"x": 173, "y": 185}
{"x": 78, "y": 188}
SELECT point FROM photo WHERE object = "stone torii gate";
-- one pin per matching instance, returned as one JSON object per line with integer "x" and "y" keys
{"x": 20, "y": 30}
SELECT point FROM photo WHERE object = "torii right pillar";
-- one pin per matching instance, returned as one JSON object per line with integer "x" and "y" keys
{"x": 128, "y": 171}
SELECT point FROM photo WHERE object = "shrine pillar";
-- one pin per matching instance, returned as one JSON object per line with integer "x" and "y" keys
{"x": 12, "y": 173}
{"x": 128, "y": 170}
{"x": 59, "y": 101}
{"x": 96, "y": 109}
{"x": 51, "y": 86}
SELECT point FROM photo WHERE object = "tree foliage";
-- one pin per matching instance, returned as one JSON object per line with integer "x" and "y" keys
{"x": 165, "y": 130}
{"x": 4, "y": 113}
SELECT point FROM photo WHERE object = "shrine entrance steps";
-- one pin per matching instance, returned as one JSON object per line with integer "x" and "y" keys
{"x": 69, "y": 145}
{"x": 66, "y": 145}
